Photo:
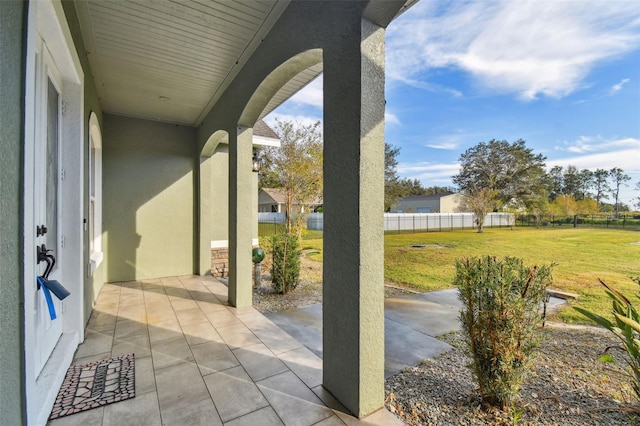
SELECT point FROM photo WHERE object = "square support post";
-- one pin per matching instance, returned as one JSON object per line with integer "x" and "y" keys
{"x": 240, "y": 217}
{"x": 353, "y": 305}
{"x": 205, "y": 215}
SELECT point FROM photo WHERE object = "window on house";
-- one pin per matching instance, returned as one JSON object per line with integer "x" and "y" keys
{"x": 95, "y": 192}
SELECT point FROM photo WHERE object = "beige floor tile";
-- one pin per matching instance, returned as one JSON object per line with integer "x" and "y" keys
{"x": 201, "y": 332}
{"x": 213, "y": 357}
{"x": 91, "y": 358}
{"x": 222, "y": 318}
{"x": 305, "y": 364}
{"x": 234, "y": 393}
{"x": 94, "y": 343}
{"x": 102, "y": 323}
{"x": 259, "y": 362}
{"x": 110, "y": 308}
{"x": 161, "y": 313}
{"x": 263, "y": 417}
{"x": 170, "y": 352}
{"x": 190, "y": 316}
{"x": 179, "y": 387}
{"x": 238, "y": 336}
{"x": 193, "y": 414}
{"x": 141, "y": 410}
{"x": 293, "y": 401}
{"x": 135, "y": 312}
{"x": 127, "y": 327}
{"x": 180, "y": 304}
{"x": 208, "y": 306}
{"x": 137, "y": 344}
{"x": 331, "y": 421}
{"x": 164, "y": 330}
{"x": 145, "y": 377}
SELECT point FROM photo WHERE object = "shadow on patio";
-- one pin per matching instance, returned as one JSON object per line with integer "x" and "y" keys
{"x": 200, "y": 361}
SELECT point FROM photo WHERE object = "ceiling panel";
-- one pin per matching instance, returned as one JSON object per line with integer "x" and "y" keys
{"x": 171, "y": 60}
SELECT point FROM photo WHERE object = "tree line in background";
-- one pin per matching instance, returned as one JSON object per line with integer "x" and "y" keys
{"x": 494, "y": 176}
{"x": 499, "y": 175}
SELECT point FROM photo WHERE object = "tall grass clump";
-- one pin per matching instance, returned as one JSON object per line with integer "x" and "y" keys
{"x": 626, "y": 327}
{"x": 285, "y": 269}
{"x": 502, "y": 310}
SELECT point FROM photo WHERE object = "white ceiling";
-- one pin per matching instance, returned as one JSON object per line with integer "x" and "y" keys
{"x": 170, "y": 60}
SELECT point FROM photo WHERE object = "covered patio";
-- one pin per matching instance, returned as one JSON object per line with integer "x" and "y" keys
{"x": 146, "y": 113}
{"x": 201, "y": 361}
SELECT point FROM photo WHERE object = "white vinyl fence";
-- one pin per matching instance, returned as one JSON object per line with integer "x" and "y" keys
{"x": 428, "y": 222}
{"x": 271, "y": 217}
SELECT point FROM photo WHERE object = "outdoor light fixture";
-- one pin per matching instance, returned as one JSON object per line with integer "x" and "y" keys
{"x": 255, "y": 163}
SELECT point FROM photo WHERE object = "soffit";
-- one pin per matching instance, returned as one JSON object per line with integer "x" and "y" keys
{"x": 171, "y": 60}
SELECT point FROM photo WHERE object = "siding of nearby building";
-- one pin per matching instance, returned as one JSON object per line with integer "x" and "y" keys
{"x": 148, "y": 227}
{"x": 12, "y": 22}
{"x": 434, "y": 203}
{"x": 451, "y": 203}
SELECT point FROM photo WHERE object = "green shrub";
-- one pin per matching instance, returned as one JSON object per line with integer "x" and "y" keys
{"x": 626, "y": 327}
{"x": 285, "y": 269}
{"x": 502, "y": 310}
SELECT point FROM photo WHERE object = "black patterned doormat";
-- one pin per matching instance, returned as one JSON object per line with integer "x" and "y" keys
{"x": 96, "y": 384}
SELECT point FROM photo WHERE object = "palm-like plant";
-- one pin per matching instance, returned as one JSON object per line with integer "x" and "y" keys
{"x": 626, "y": 327}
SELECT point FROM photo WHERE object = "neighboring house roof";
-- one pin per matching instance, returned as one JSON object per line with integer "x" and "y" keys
{"x": 278, "y": 196}
{"x": 426, "y": 197}
{"x": 262, "y": 129}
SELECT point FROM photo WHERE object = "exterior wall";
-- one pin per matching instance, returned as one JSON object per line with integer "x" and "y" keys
{"x": 12, "y": 22}
{"x": 148, "y": 199}
{"x": 451, "y": 203}
{"x": 419, "y": 206}
{"x": 93, "y": 282}
{"x": 220, "y": 172}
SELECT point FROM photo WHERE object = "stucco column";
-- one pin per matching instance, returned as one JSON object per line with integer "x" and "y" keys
{"x": 205, "y": 215}
{"x": 240, "y": 216}
{"x": 353, "y": 306}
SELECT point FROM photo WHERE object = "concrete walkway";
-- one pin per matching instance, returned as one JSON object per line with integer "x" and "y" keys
{"x": 411, "y": 324}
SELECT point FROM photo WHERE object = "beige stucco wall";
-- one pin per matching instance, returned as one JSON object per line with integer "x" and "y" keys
{"x": 220, "y": 193}
{"x": 148, "y": 199}
{"x": 451, "y": 203}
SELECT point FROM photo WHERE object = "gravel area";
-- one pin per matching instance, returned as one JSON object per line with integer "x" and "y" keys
{"x": 569, "y": 386}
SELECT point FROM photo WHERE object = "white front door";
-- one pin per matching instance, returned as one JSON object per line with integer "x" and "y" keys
{"x": 47, "y": 209}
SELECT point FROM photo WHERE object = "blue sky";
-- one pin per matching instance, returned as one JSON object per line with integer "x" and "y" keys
{"x": 562, "y": 75}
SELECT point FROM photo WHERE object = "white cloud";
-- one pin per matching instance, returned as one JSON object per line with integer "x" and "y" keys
{"x": 617, "y": 87}
{"x": 587, "y": 144}
{"x": 529, "y": 48}
{"x": 391, "y": 118}
{"x": 429, "y": 173}
{"x": 311, "y": 94}
{"x": 443, "y": 145}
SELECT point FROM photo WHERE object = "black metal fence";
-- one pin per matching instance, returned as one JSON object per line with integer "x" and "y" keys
{"x": 578, "y": 221}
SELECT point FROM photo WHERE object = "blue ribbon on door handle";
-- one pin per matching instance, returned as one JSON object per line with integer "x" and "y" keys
{"x": 50, "y": 286}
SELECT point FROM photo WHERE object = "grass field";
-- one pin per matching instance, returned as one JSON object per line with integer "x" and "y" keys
{"x": 581, "y": 257}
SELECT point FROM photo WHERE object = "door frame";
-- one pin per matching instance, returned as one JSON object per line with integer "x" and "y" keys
{"x": 47, "y": 24}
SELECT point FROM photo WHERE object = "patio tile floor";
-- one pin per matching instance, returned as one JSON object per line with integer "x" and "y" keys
{"x": 200, "y": 361}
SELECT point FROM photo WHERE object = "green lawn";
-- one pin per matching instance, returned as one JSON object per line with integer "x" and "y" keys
{"x": 581, "y": 257}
